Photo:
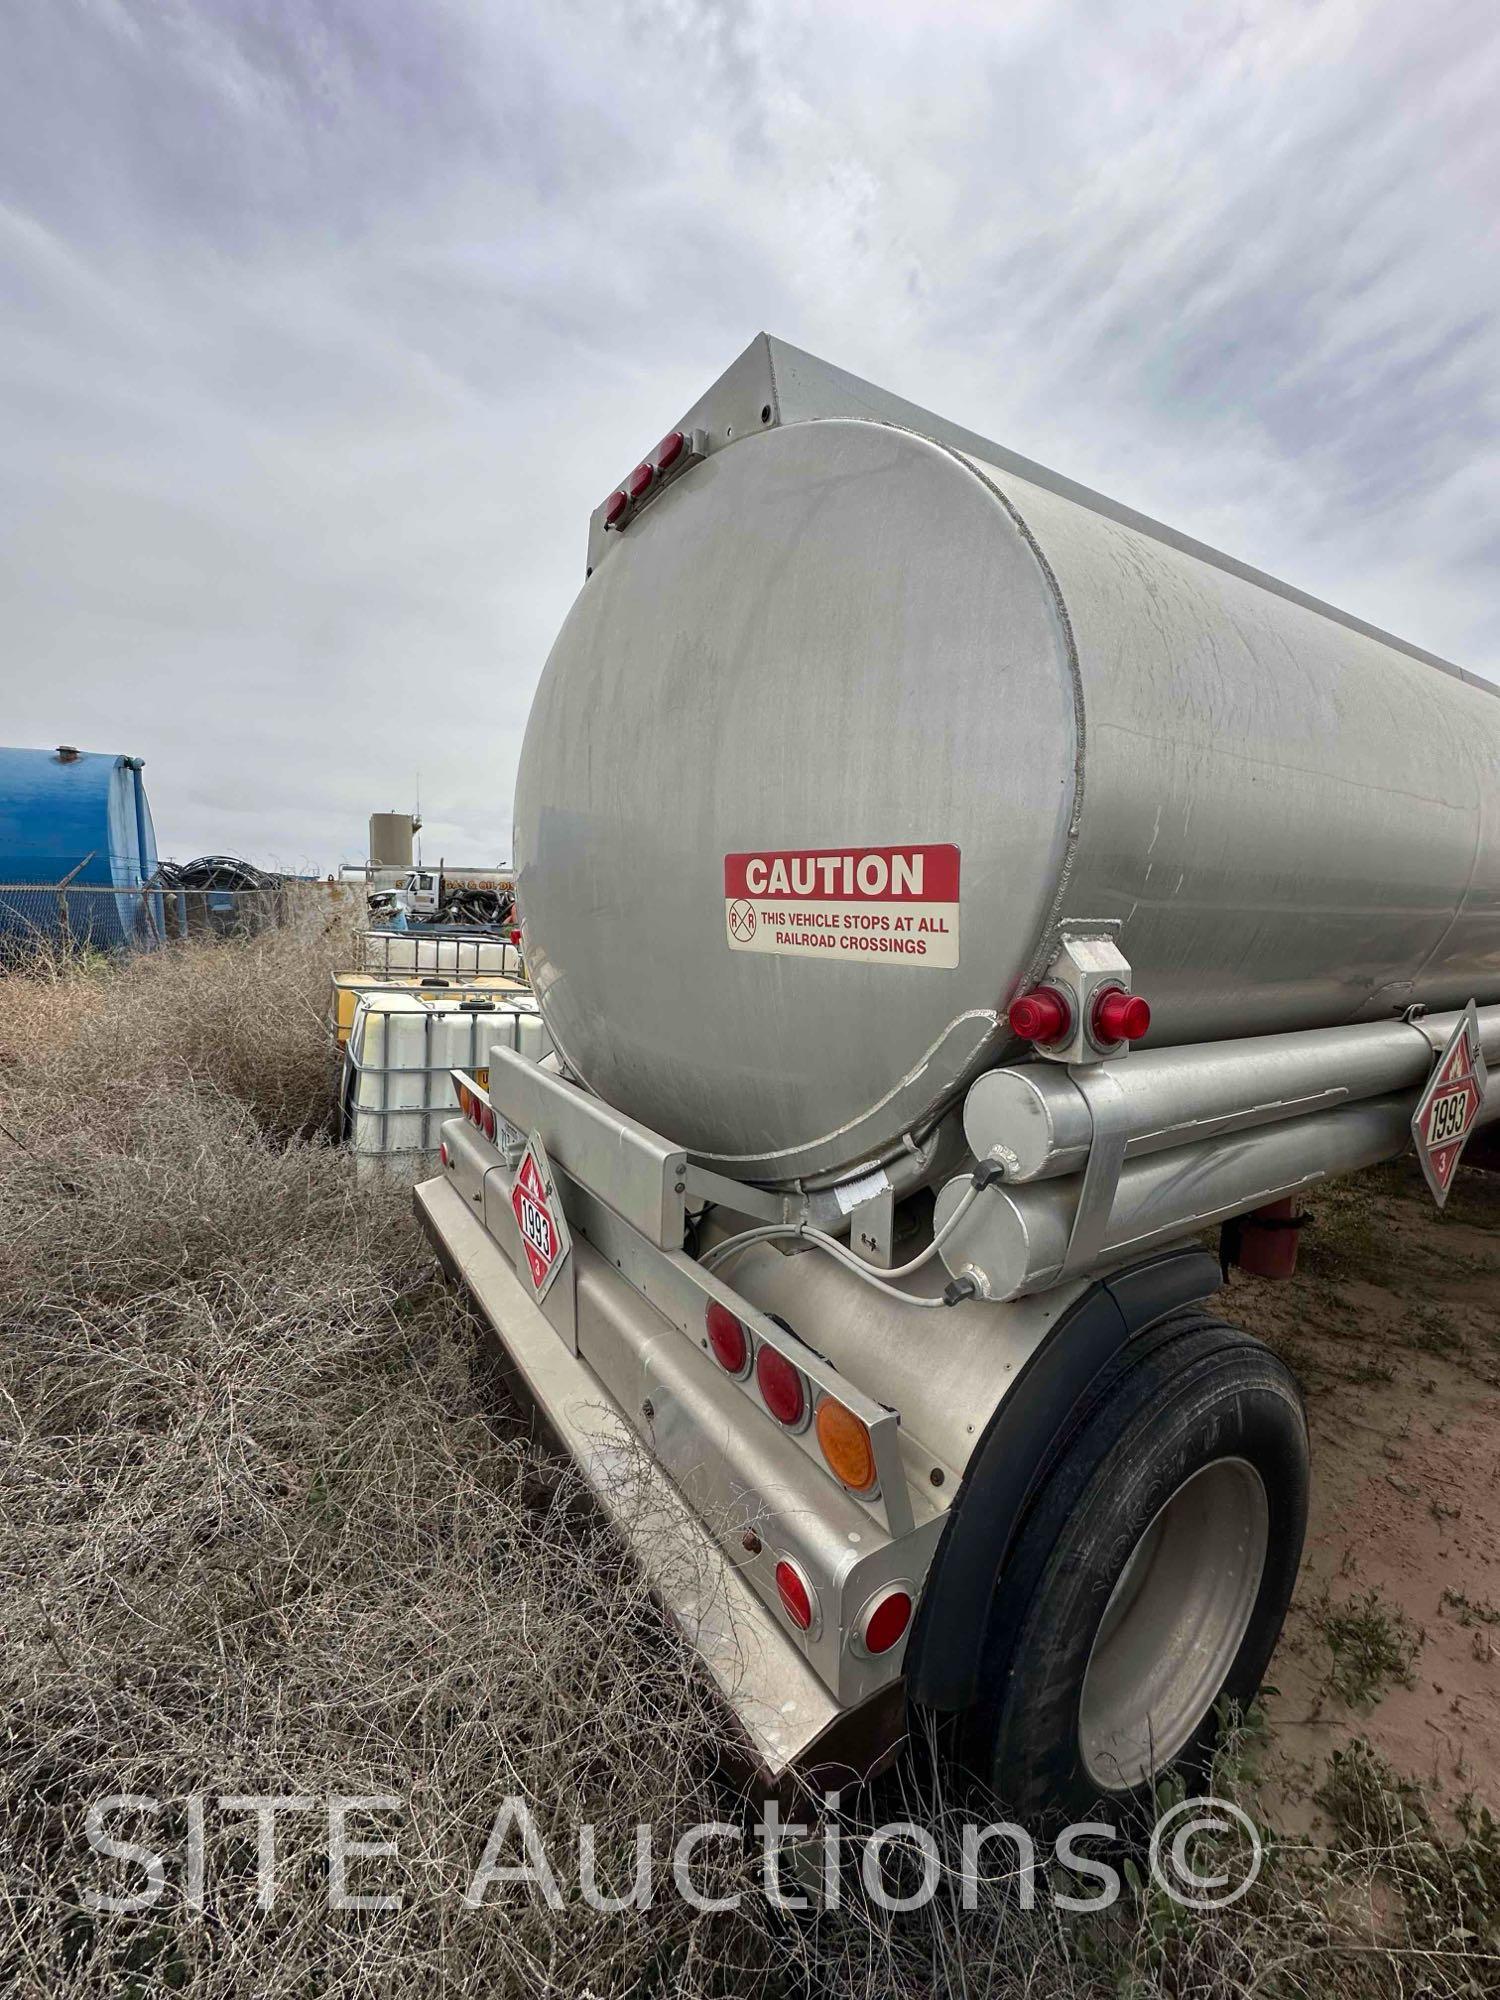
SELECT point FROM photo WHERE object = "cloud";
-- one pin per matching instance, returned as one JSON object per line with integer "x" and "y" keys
{"x": 326, "y": 325}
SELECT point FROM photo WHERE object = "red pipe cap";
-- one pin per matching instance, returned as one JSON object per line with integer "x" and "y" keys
{"x": 1041, "y": 1016}
{"x": 1120, "y": 1016}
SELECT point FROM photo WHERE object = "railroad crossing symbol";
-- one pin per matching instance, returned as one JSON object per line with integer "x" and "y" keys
{"x": 1448, "y": 1108}
{"x": 539, "y": 1217}
{"x": 742, "y": 921}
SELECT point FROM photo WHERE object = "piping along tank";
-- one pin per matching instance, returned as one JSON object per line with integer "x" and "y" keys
{"x": 855, "y": 713}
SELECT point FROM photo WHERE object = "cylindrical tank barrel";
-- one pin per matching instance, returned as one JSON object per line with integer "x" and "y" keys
{"x": 838, "y": 651}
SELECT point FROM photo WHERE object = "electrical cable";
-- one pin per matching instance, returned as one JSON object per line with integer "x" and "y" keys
{"x": 842, "y": 1254}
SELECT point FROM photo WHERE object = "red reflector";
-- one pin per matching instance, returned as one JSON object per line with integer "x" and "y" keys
{"x": 781, "y": 1386}
{"x": 886, "y": 1623}
{"x": 795, "y": 1592}
{"x": 487, "y": 1121}
{"x": 669, "y": 450}
{"x": 614, "y": 507}
{"x": 727, "y": 1338}
{"x": 1120, "y": 1017}
{"x": 443, "y": 1152}
{"x": 1041, "y": 1016}
{"x": 640, "y": 479}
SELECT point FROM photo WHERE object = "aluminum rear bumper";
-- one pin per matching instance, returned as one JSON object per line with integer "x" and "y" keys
{"x": 788, "y": 1717}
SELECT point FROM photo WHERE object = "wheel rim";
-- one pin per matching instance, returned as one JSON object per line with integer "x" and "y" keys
{"x": 1173, "y": 1625}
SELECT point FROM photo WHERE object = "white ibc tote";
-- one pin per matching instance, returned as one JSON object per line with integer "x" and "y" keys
{"x": 397, "y": 1090}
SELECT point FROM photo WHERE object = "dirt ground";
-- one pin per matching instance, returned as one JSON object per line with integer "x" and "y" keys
{"x": 1393, "y": 1326}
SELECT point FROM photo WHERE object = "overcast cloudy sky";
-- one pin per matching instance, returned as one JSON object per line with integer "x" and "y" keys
{"x": 327, "y": 322}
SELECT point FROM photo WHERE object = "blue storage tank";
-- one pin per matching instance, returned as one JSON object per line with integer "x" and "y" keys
{"x": 76, "y": 848}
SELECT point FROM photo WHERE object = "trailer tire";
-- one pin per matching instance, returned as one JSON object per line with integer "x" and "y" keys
{"x": 1149, "y": 1577}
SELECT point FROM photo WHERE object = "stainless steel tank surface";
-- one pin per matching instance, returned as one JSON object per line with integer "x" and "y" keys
{"x": 848, "y": 719}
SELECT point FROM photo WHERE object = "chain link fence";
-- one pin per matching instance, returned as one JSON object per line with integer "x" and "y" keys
{"x": 62, "y": 917}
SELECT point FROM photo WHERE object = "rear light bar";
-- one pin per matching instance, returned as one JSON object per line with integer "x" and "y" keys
{"x": 843, "y": 1438}
{"x": 477, "y": 1110}
{"x": 676, "y": 452}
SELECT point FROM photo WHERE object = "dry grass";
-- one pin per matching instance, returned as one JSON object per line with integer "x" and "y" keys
{"x": 268, "y": 1526}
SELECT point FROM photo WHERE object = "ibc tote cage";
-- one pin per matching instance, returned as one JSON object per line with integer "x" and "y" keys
{"x": 370, "y": 1113}
{"x": 454, "y": 954}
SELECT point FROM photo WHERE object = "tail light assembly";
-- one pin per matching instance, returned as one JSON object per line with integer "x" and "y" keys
{"x": 676, "y": 452}
{"x": 883, "y": 1620}
{"x": 798, "y": 1598}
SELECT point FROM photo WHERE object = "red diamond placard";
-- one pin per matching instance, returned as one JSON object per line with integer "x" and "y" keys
{"x": 1448, "y": 1108}
{"x": 539, "y": 1217}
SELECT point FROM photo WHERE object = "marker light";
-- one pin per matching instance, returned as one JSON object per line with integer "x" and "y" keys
{"x": 614, "y": 507}
{"x": 1120, "y": 1016}
{"x": 669, "y": 450}
{"x": 640, "y": 479}
{"x": 798, "y": 1598}
{"x": 1042, "y": 1015}
{"x": 728, "y": 1339}
{"x": 780, "y": 1385}
{"x": 845, "y": 1444}
{"x": 883, "y": 1620}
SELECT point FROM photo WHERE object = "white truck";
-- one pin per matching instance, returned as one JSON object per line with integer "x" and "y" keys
{"x": 458, "y": 895}
{"x": 947, "y": 894}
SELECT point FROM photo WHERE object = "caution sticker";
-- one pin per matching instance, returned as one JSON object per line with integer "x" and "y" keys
{"x": 877, "y": 905}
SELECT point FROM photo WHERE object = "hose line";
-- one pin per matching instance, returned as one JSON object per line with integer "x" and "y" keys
{"x": 842, "y": 1254}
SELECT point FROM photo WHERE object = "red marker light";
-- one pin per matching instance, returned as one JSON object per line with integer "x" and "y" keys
{"x": 669, "y": 450}
{"x": 727, "y": 1338}
{"x": 1120, "y": 1016}
{"x": 885, "y": 1620}
{"x": 640, "y": 479}
{"x": 614, "y": 507}
{"x": 1042, "y": 1015}
{"x": 781, "y": 1387}
{"x": 796, "y": 1593}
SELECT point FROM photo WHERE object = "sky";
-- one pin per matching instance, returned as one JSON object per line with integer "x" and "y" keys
{"x": 324, "y": 325}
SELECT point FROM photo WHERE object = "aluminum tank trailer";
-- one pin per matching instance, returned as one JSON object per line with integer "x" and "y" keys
{"x": 1032, "y": 889}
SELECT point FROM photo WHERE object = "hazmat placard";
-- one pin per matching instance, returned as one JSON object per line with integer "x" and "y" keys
{"x": 539, "y": 1217}
{"x": 865, "y": 905}
{"x": 1449, "y": 1107}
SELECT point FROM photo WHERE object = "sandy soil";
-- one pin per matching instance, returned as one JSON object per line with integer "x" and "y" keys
{"x": 1393, "y": 1326}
